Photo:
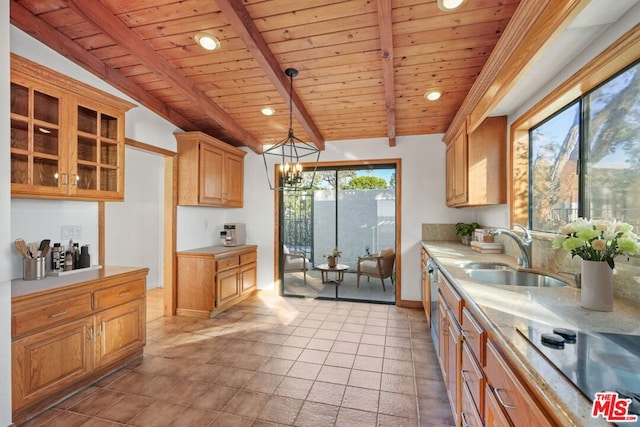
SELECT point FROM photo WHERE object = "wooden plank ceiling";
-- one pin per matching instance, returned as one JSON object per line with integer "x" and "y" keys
{"x": 364, "y": 65}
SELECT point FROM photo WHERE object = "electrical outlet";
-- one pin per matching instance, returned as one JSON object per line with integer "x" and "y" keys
{"x": 71, "y": 232}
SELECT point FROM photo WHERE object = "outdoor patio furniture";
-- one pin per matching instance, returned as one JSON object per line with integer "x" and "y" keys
{"x": 379, "y": 266}
{"x": 295, "y": 262}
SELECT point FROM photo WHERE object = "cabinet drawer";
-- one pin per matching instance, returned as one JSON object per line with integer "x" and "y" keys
{"x": 51, "y": 313}
{"x": 451, "y": 296}
{"x": 474, "y": 336}
{"x": 510, "y": 394}
{"x": 469, "y": 415}
{"x": 116, "y": 295}
{"x": 226, "y": 263}
{"x": 247, "y": 258}
{"x": 473, "y": 378}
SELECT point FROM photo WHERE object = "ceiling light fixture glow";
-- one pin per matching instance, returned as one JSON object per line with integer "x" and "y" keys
{"x": 268, "y": 111}
{"x": 207, "y": 41}
{"x": 433, "y": 95}
{"x": 448, "y": 5}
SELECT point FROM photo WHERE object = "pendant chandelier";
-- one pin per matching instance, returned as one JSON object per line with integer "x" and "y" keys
{"x": 289, "y": 153}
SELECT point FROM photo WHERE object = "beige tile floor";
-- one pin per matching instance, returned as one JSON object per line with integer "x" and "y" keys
{"x": 272, "y": 361}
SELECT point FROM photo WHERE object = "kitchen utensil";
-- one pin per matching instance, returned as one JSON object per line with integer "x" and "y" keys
{"x": 43, "y": 244}
{"x": 21, "y": 246}
{"x": 33, "y": 249}
{"x": 45, "y": 251}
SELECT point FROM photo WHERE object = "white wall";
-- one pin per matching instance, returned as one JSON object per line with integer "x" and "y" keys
{"x": 34, "y": 220}
{"x": 423, "y": 199}
{"x": 134, "y": 229}
{"x": 6, "y": 247}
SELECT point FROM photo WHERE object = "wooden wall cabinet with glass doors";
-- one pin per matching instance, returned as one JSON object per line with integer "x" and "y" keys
{"x": 476, "y": 165}
{"x": 67, "y": 138}
{"x": 210, "y": 172}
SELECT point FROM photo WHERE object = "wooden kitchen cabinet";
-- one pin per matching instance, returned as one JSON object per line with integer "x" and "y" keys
{"x": 63, "y": 338}
{"x": 67, "y": 138}
{"x": 512, "y": 399}
{"x": 456, "y": 164}
{"x": 494, "y": 415}
{"x": 214, "y": 278}
{"x": 476, "y": 165}
{"x": 210, "y": 172}
{"x": 450, "y": 306}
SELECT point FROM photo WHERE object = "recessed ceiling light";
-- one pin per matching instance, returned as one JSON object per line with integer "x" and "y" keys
{"x": 433, "y": 95}
{"x": 207, "y": 41}
{"x": 268, "y": 111}
{"x": 448, "y": 5}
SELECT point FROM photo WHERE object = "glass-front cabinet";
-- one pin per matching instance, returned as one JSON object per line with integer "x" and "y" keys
{"x": 67, "y": 139}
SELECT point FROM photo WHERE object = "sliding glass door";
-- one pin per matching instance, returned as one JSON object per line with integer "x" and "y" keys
{"x": 351, "y": 211}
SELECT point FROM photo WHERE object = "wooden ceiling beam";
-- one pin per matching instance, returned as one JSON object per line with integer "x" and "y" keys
{"x": 111, "y": 25}
{"x": 242, "y": 22}
{"x": 386, "y": 55}
{"x": 45, "y": 33}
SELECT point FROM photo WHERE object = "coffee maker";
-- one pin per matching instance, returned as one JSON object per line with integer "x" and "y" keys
{"x": 235, "y": 234}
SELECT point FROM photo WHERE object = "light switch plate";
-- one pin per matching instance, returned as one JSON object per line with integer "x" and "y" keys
{"x": 71, "y": 232}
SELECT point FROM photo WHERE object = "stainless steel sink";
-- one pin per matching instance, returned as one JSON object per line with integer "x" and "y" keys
{"x": 486, "y": 266}
{"x": 515, "y": 278}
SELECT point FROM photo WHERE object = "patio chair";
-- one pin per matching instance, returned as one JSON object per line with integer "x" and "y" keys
{"x": 295, "y": 262}
{"x": 379, "y": 266}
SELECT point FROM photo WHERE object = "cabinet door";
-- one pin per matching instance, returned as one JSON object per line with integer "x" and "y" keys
{"x": 97, "y": 168}
{"x": 210, "y": 179}
{"x": 460, "y": 168}
{"x": 38, "y": 157}
{"x": 120, "y": 331}
{"x": 450, "y": 170}
{"x": 51, "y": 360}
{"x": 519, "y": 406}
{"x": 453, "y": 365}
{"x": 443, "y": 341}
{"x": 248, "y": 277}
{"x": 233, "y": 181}
{"x": 227, "y": 286}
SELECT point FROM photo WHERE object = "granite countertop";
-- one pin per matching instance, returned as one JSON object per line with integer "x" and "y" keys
{"x": 21, "y": 288}
{"x": 217, "y": 250}
{"x": 501, "y": 308}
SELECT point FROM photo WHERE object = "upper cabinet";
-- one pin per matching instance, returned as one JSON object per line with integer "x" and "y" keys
{"x": 210, "y": 172}
{"x": 67, "y": 138}
{"x": 476, "y": 165}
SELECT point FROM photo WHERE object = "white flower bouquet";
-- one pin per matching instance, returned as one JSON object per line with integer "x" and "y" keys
{"x": 598, "y": 240}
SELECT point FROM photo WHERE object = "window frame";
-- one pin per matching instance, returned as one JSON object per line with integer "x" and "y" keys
{"x": 618, "y": 57}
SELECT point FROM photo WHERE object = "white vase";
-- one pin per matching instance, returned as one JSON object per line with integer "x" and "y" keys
{"x": 597, "y": 286}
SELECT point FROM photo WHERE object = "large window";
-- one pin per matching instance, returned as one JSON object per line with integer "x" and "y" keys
{"x": 585, "y": 159}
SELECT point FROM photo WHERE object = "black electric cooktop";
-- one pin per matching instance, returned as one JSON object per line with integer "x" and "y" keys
{"x": 593, "y": 362}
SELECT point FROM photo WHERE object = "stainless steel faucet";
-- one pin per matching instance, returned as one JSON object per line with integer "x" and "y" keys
{"x": 524, "y": 243}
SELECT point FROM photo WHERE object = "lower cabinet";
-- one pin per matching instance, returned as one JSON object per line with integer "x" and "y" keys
{"x": 493, "y": 416}
{"x": 68, "y": 337}
{"x": 51, "y": 360}
{"x": 213, "y": 278}
{"x": 119, "y": 331}
{"x": 511, "y": 396}
{"x": 482, "y": 388}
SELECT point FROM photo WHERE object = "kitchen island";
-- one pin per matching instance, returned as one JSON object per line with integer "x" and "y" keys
{"x": 500, "y": 309}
